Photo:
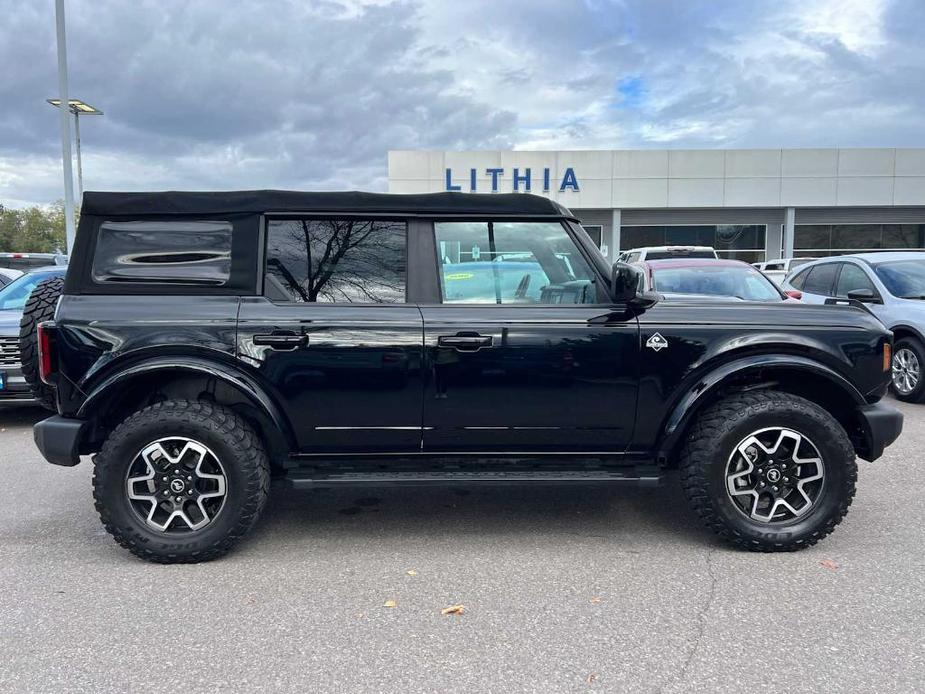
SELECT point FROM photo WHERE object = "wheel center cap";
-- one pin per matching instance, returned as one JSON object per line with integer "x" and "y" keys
{"x": 177, "y": 485}
{"x": 773, "y": 475}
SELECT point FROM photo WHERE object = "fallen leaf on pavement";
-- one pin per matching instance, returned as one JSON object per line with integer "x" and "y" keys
{"x": 453, "y": 609}
{"x": 412, "y": 572}
{"x": 389, "y": 603}
{"x": 591, "y": 678}
{"x": 828, "y": 564}
{"x": 595, "y": 600}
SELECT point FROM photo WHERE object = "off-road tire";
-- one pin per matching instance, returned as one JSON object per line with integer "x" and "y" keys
{"x": 224, "y": 432}
{"x": 39, "y": 307}
{"x": 914, "y": 345}
{"x": 714, "y": 436}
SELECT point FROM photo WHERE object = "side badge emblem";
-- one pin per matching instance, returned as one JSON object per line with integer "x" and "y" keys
{"x": 657, "y": 342}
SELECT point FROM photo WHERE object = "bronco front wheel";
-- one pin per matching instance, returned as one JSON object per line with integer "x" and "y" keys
{"x": 769, "y": 471}
{"x": 181, "y": 481}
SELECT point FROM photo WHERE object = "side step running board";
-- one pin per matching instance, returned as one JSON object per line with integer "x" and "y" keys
{"x": 647, "y": 476}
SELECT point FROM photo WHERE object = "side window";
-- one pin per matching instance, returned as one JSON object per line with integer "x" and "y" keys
{"x": 633, "y": 258}
{"x": 336, "y": 261}
{"x": 512, "y": 263}
{"x": 799, "y": 279}
{"x": 820, "y": 279}
{"x": 774, "y": 266}
{"x": 178, "y": 253}
{"x": 852, "y": 277}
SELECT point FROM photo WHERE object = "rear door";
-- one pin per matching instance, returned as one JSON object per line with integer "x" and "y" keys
{"x": 334, "y": 335}
{"x": 525, "y": 353}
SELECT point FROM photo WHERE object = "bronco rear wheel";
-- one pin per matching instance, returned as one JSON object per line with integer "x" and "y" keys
{"x": 769, "y": 471}
{"x": 181, "y": 481}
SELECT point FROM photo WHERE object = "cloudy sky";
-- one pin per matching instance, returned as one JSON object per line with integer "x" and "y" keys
{"x": 215, "y": 94}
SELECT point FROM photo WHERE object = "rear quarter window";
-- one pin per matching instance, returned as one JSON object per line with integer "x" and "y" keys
{"x": 820, "y": 279}
{"x": 799, "y": 279}
{"x": 176, "y": 253}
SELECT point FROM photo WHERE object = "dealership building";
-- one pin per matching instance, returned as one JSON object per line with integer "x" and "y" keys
{"x": 750, "y": 204}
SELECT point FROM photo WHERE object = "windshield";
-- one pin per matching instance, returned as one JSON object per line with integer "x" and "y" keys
{"x": 14, "y": 295}
{"x": 903, "y": 278}
{"x": 743, "y": 282}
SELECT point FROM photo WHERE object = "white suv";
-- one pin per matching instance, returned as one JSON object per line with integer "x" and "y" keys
{"x": 638, "y": 255}
{"x": 777, "y": 270}
{"x": 892, "y": 284}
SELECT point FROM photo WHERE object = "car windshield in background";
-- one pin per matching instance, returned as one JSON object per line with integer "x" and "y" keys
{"x": 744, "y": 282}
{"x": 14, "y": 295}
{"x": 903, "y": 278}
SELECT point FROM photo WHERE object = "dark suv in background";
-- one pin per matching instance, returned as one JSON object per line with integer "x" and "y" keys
{"x": 206, "y": 342}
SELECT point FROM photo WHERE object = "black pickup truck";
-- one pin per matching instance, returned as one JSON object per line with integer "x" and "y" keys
{"x": 206, "y": 343}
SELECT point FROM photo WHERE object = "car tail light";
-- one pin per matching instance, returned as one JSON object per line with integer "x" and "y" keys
{"x": 887, "y": 356}
{"x": 46, "y": 352}
{"x": 794, "y": 293}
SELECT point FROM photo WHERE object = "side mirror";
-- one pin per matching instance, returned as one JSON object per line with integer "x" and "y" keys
{"x": 628, "y": 286}
{"x": 865, "y": 296}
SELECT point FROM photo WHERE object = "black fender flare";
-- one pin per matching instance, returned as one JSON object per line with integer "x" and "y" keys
{"x": 676, "y": 422}
{"x": 236, "y": 378}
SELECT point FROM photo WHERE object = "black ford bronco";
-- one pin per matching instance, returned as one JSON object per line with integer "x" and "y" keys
{"x": 206, "y": 343}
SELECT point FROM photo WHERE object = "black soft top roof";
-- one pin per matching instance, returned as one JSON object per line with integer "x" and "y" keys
{"x": 261, "y": 201}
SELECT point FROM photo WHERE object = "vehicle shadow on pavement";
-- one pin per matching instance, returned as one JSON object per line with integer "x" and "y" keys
{"x": 577, "y": 511}
{"x": 21, "y": 415}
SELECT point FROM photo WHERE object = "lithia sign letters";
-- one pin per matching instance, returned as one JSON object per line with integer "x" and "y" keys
{"x": 522, "y": 180}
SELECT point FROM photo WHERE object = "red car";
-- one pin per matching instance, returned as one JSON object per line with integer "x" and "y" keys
{"x": 711, "y": 279}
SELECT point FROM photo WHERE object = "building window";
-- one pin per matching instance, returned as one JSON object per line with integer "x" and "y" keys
{"x": 595, "y": 231}
{"x": 736, "y": 241}
{"x": 336, "y": 260}
{"x": 821, "y": 240}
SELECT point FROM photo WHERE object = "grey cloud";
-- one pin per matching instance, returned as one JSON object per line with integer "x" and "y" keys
{"x": 214, "y": 94}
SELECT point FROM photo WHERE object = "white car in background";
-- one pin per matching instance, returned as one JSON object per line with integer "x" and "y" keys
{"x": 777, "y": 270}
{"x": 640, "y": 255}
{"x": 892, "y": 286}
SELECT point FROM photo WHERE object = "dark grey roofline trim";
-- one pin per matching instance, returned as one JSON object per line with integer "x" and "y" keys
{"x": 188, "y": 203}
{"x": 418, "y": 215}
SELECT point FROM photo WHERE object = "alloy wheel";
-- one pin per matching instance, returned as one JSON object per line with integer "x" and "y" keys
{"x": 775, "y": 475}
{"x": 905, "y": 370}
{"x": 176, "y": 485}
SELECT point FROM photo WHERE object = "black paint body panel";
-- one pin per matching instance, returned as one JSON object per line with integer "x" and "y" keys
{"x": 355, "y": 386}
{"x": 554, "y": 378}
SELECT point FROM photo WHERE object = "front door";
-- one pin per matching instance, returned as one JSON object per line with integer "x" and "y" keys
{"x": 524, "y": 351}
{"x": 334, "y": 337}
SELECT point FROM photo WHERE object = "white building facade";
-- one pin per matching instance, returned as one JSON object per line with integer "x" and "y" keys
{"x": 749, "y": 204}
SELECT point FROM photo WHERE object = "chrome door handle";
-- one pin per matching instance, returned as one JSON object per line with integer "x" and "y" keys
{"x": 281, "y": 340}
{"x": 465, "y": 343}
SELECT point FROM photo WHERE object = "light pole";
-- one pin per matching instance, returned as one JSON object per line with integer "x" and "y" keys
{"x": 65, "y": 127}
{"x": 78, "y": 108}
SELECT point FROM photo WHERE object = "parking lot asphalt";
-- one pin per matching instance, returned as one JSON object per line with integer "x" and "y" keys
{"x": 566, "y": 589}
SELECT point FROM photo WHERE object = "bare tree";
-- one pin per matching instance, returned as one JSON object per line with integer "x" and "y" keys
{"x": 343, "y": 260}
